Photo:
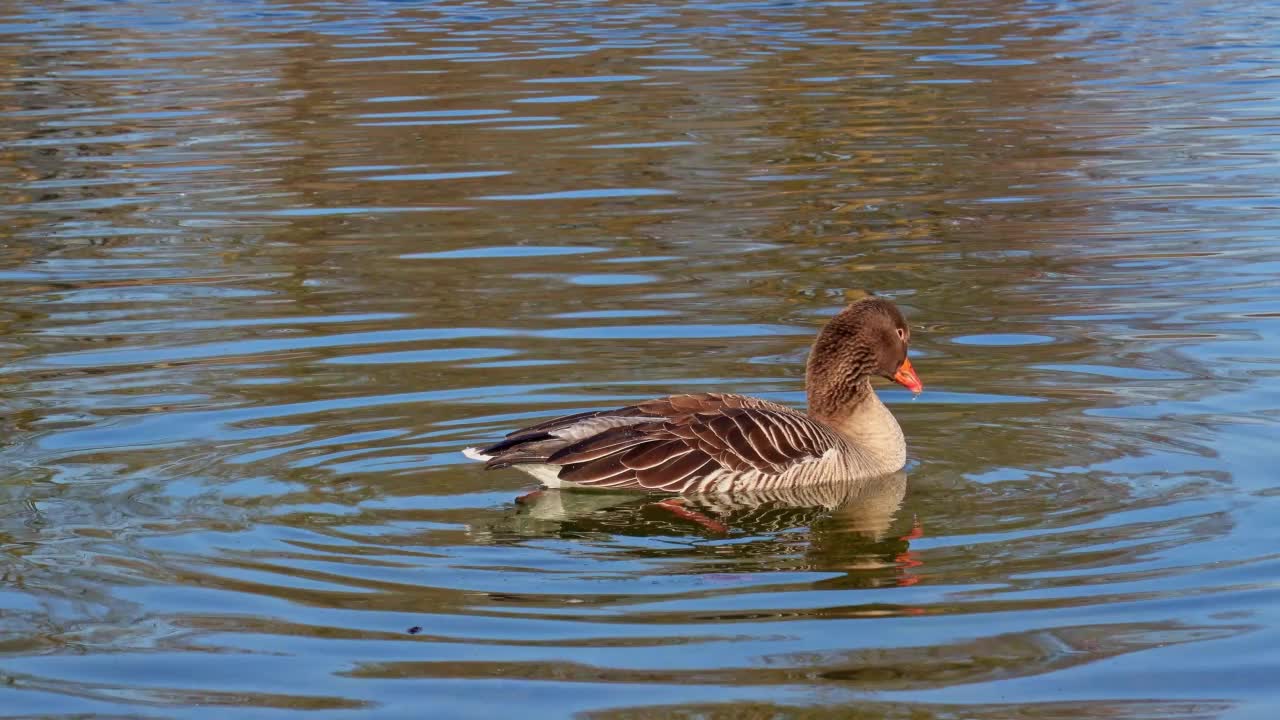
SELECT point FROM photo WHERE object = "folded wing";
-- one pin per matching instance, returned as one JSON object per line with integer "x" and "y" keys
{"x": 670, "y": 443}
{"x": 672, "y": 455}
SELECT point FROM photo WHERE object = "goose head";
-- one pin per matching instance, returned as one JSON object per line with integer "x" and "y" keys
{"x": 866, "y": 339}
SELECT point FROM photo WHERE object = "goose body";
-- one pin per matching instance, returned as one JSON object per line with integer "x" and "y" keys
{"x": 712, "y": 443}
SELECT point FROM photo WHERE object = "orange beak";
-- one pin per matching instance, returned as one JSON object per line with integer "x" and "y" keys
{"x": 906, "y": 377}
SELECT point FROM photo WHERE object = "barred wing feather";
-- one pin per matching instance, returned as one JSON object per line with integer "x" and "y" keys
{"x": 673, "y": 454}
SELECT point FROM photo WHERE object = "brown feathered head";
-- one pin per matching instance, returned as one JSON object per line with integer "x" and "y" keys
{"x": 870, "y": 337}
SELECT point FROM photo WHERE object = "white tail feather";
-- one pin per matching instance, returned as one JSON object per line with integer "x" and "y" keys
{"x": 548, "y": 475}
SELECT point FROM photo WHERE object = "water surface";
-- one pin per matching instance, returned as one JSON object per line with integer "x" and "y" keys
{"x": 266, "y": 267}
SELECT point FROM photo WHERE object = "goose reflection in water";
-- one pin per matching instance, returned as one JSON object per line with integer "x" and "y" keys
{"x": 851, "y": 527}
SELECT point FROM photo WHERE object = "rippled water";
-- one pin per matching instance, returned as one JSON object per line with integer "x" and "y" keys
{"x": 266, "y": 267}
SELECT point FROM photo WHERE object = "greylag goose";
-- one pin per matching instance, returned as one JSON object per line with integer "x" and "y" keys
{"x": 711, "y": 443}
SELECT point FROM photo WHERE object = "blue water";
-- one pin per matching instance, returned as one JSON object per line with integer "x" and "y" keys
{"x": 266, "y": 268}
